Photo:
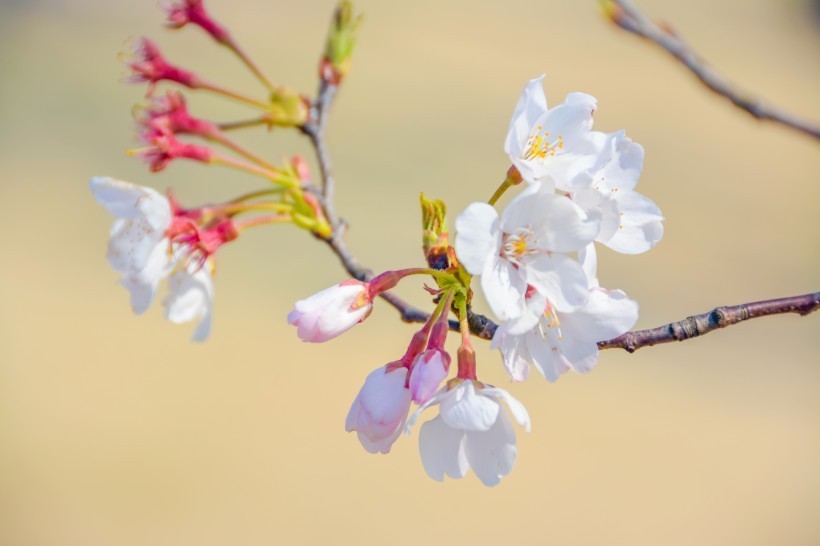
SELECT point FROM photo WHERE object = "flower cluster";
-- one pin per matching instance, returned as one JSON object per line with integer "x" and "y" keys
{"x": 580, "y": 190}
{"x": 535, "y": 261}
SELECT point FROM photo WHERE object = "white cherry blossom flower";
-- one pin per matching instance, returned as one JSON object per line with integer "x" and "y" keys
{"x": 630, "y": 222}
{"x": 138, "y": 245}
{"x": 379, "y": 412}
{"x": 190, "y": 297}
{"x": 331, "y": 312}
{"x": 471, "y": 431}
{"x": 550, "y": 142}
{"x": 523, "y": 247}
{"x": 555, "y": 341}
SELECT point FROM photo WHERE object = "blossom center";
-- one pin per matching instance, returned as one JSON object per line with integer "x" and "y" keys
{"x": 549, "y": 327}
{"x": 518, "y": 244}
{"x": 539, "y": 145}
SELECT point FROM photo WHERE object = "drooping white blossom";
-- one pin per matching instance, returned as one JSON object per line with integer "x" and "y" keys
{"x": 472, "y": 430}
{"x": 331, "y": 312}
{"x": 379, "y": 412}
{"x": 141, "y": 248}
{"x": 555, "y": 341}
{"x": 190, "y": 297}
{"x": 138, "y": 246}
{"x": 524, "y": 247}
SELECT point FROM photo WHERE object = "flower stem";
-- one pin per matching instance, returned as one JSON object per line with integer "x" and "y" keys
{"x": 230, "y": 126}
{"x": 231, "y": 145}
{"x": 255, "y": 194}
{"x": 234, "y": 47}
{"x": 253, "y": 169}
{"x": 466, "y": 353}
{"x": 261, "y": 221}
{"x": 513, "y": 178}
{"x": 233, "y": 95}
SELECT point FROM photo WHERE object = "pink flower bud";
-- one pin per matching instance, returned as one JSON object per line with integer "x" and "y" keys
{"x": 169, "y": 114}
{"x": 429, "y": 370}
{"x": 379, "y": 412}
{"x": 165, "y": 148}
{"x": 182, "y": 12}
{"x": 150, "y": 66}
{"x": 332, "y": 311}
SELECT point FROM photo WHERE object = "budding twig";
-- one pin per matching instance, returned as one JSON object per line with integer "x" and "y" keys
{"x": 629, "y": 18}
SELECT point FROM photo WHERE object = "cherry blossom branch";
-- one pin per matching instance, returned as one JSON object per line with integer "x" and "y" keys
{"x": 719, "y": 317}
{"x": 629, "y": 18}
{"x": 482, "y": 327}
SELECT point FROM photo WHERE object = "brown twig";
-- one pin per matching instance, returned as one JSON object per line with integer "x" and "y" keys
{"x": 629, "y": 18}
{"x": 719, "y": 317}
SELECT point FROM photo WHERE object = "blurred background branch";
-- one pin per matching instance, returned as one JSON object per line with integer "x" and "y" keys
{"x": 629, "y": 18}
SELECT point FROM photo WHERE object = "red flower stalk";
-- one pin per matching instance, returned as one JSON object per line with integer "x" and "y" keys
{"x": 150, "y": 66}
{"x": 183, "y": 12}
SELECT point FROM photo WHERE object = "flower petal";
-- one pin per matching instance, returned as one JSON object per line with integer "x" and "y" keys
{"x": 504, "y": 288}
{"x": 442, "y": 450}
{"x": 492, "y": 453}
{"x": 477, "y": 236}
{"x": 468, "y": 410}
{"x": 546, "y": 356}
{"x": 607, "y": 314}
{"x": 640, "y": 228}
{"x": 561, "y": 279}
{"x": 532, "y": 104}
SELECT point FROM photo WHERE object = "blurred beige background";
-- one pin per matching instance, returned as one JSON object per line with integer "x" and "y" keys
{"x": 116, "y": 430}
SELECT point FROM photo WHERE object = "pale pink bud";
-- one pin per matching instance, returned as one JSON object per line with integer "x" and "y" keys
{"x": 429, "y": 370}
{"x": 182, "y": 12}
{"x": 332, "y": 311}
{"x": 379, "y": 412}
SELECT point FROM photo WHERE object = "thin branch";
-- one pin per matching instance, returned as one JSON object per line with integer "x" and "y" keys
{"x": 626, "y": 16}
{"x": 719, "y": 317}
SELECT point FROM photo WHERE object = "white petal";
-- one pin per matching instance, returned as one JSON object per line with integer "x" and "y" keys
{"x": 517, "y": 409}
{"x": 492, "y": 453}
{"x": 619, "y": 164}
{"x": 504, "y": 288}
{"x": 547, "y": 356}
{"x": 557, "y": 224}
{"x": 142, "y": 293}
{"x": 190, "y": 296}
{"x": 607, "y": 314}
{"x": 640, "y": 227}
{"x": 442, "y": 450}
{"x": 532, "y": 104}
{"x": 125, "y": 200}
{"x": 477, "y": 236}
{"x": 468, "y": 410}
{"x": 562, "y": 280}
{"x": 588, "y": 258}
{"x": 514, "y": 353}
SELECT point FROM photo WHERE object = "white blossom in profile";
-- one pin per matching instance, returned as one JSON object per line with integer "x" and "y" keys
{"x": 472, "y": 430}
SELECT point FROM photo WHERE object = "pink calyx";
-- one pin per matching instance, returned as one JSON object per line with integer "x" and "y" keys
{"x": 151, "y": 66}
{"x": 184, "y": 12}
{"x": 169, "y": 114}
